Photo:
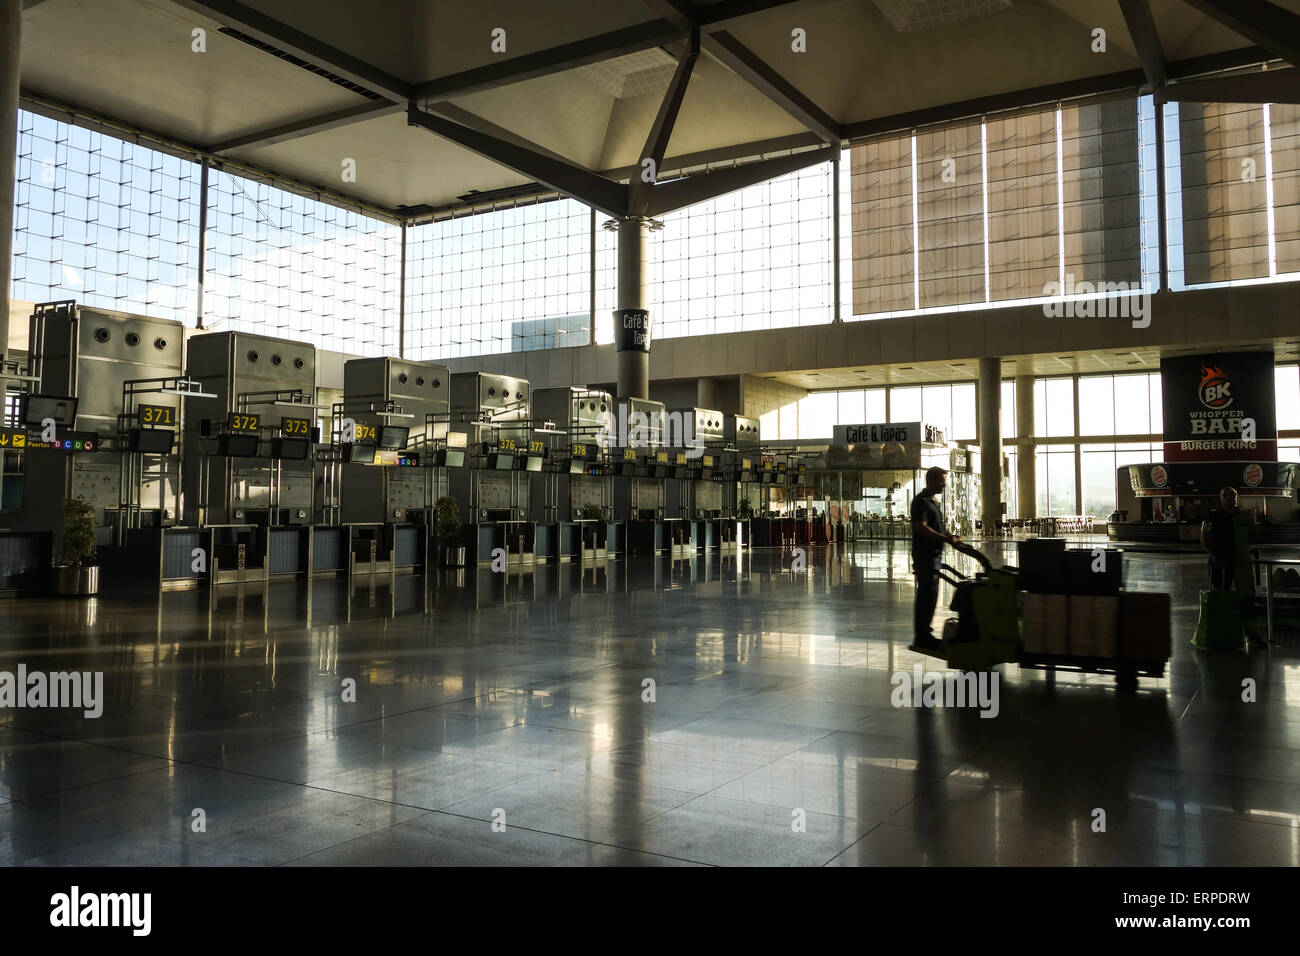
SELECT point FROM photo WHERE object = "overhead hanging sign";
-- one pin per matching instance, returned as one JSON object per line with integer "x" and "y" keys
{"x": 880, "y": 432}
{"x": 631, "y": 330}
{"x": 1269, "y": 478}
{"x": 1219, "y": 407}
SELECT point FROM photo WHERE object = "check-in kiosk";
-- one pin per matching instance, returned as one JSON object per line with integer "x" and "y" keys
{"x": 388, "y": 429}
{"x": 741, "y": 459}
{"x": 493, "y": 411}
{"x": 572, "y": 498}
{"x": 641, "y": 467}
{"x": 694, "y": 489}
{"x": 250, "y": 454}
{"x": 101, "y": 422}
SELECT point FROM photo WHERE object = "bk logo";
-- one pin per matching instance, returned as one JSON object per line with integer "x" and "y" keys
{"x": 1216, "y": 390}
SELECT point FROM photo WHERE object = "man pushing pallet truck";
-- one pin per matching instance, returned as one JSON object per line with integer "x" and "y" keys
{"x": 1078, "y": 620}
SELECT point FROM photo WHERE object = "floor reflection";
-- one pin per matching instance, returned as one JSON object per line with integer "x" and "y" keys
{"x": 720, "y": 710}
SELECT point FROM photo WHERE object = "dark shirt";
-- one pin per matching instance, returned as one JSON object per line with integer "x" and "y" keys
{"x": 1221, "y": 533}
{"x": 926, "y": 510}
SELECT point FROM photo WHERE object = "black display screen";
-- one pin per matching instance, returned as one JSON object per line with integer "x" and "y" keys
{"x": 290, "y": 449}
{"x": 393, "y": 437}
{"x": 504, "y": 463}
{"x": 533, "y": 463}
{"x": 37, "y": 408}
{"x": 239, "y": 446}
{"x": 152, "y": 441}
{"x": 361, "y": 454}
{"x": 454, "y": 458}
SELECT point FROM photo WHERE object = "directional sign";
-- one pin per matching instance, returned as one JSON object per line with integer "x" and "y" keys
{"x": 63, "y": 441}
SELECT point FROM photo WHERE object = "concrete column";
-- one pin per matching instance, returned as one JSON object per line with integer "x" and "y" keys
{"x": 11, "y": 34}
{"x": 706, "y": 393}
{"x": 1027, "y": 458}
{"x": 990, "y": 428}
{"x": 633, "y": 365}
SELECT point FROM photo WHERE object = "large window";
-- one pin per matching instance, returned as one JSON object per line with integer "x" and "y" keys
{"x": 1006, "y": 210}
{"x": 757, "y": 258}
{"x": 284, "y": 265}
{"x": 509, "y": 280}
{"x": 106, "y": 222}
{"x": 114, "y": 225}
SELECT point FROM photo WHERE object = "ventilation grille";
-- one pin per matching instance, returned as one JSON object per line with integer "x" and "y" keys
{"x": 299, "y": 62}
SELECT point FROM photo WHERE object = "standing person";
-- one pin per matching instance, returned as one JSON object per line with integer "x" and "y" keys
{"x": 1226, "y": 536}
{"x": 928, "y": 539}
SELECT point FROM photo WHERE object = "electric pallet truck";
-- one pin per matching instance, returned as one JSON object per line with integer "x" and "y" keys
{"x": 986, "y": 630}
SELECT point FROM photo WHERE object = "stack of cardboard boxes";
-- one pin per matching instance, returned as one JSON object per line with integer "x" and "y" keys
{"x": 1073, "y": 606}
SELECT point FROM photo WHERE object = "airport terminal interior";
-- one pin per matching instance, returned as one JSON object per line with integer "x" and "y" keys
{"x": 650, "y": 433}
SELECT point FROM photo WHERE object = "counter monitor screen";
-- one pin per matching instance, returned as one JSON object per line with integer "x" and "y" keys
{"x": 290, "y": 449}
{"x": 661, "y": 471}
{"x": 504, "y": 463}
{"x": 37, "y": 408}
{"x": 152, "y": 441}
{"x": 454, "y": 458}
{"x": 393, "y": 437}
{"x": 533, "y": 463}
{"x": 239, "y": 446}
{"x": 577, "y": 467}
{"x": 361, "y": 454}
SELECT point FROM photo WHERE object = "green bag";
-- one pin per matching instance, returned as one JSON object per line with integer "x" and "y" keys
{"x": 1219, "y": 627}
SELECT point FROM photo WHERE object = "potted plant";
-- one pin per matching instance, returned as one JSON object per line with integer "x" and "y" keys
{"x": 447, "y": 525}
{"x": 745, "y": 510}
{"x": 77, "y": 573}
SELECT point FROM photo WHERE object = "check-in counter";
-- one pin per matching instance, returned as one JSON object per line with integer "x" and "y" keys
{"x": 517, "y": 538}
{"x": 370, "y": 549}
{"x": 615, "y": 539}
{"x": 236, "y": 553}
{"x": 25, "y": 560}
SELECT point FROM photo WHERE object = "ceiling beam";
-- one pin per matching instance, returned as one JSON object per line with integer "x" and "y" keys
{"x": 568, "y": 56}
{"x": 464, "y": 117}
{"x": 740, "y": 59}
{"x": 719, "y": 16}
{"x": 296, "y": 129}
{"x": 686, "y": 15}
{"x": 1268, "y": 86}
{"x": 656, "y": 143}
{"x": 1266, "y": 24}
{"x": 1146, "y": 41}
{"x": 1041, "y": 95}
{"x": 680, "y": 193}
{"x": 245, "y": 19}
{"x": 682, "y": 14}
{"x": 603, "y": 194}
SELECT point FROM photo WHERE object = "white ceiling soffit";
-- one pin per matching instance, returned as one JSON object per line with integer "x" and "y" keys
{"x": 908, "y": 16}
{"x": 131, "y": 61}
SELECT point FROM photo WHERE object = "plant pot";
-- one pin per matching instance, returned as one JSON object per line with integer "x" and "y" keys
{"x": 82, "y": 581}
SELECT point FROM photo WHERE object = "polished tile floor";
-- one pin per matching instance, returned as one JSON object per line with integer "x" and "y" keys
{"x": 504, "y": 720}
